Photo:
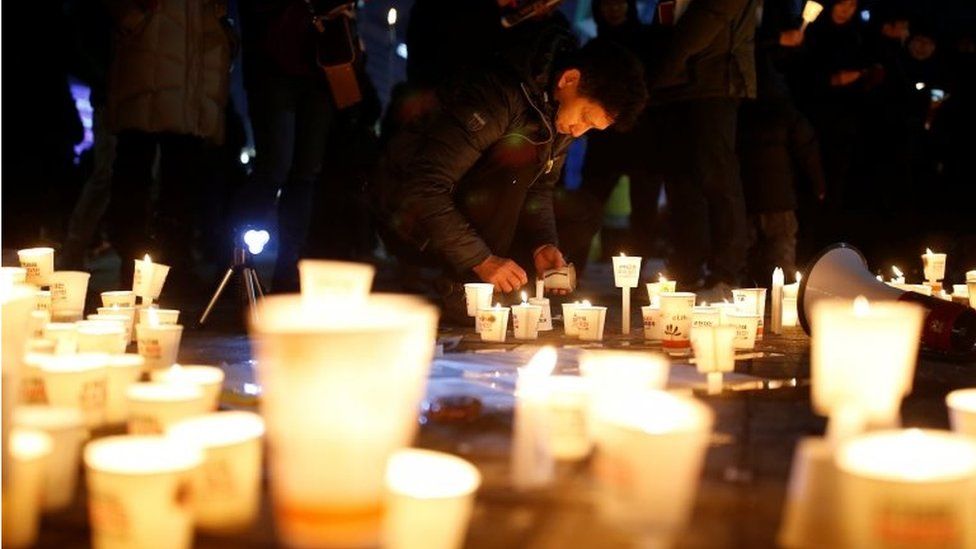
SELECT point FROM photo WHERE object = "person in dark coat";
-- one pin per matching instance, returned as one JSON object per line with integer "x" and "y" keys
{"x": 704, "y": 67}
{"x": 468, "y": 187}
{"x": 612, "y": 154}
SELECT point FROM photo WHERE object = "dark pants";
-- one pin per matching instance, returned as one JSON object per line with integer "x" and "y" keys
{"x": 772, "y": 243}
{"x": 95, "y": 195}
{"x": 133, "y": 229}
{"x": 694, "y": 148}
{"x": 291, "y": 118}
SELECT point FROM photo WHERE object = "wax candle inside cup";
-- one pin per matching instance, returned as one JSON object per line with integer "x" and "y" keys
{"x": 911, "y": 488}
{"x": 23, "y": 492}
{"x": 66, "y": 427}
{"x": 745, "y": 329}
{"x": 525, "y": 320}
{"x": 129, "y": 313}
{"x": 154, "y": 315}
{"x": 209, "y": 378}
{"x": 962, "y": 411}
{"x": 68, "y": 291}
{"x": 714, "y": 348}
{"x": 569, "y": 326}
{"x": 751, "y": 301}
{"x": 369, "y": 363}
{"x": 100, "y": 336}
{"x": 430, "y": 496}
{"x": 651, "y": 447}
{"x": 148, "y": 278}
{"x": 790, "y": 316}
{"x": 119, "y": 298}
{"x": 140, "y": 491}
{"x": 227, "y": 486}
{"x": 704, "y": 317}
{"x": 493, "y": 322}
{"x": 545, "y": 316}
{"x": 77, "y": 381}
{"x": 39, "y": 264}
{"x": 478, "y": 295}
{"x": 653, "y": 328}
{"x": 13, "y": 275}
{"x": 155, "y": 406}
{"x": 123, "y": 371}
{"x": 676, "y": 314}
{"x": 590, "y": 321}
{"x": 655, "y": 289}
{"x": 159, "y": 345}
{"x": 335, "y": 280}
{"x": 862, "y": 361}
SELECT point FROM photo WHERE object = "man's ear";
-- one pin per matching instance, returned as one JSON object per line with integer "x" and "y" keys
{"x": 569, "y": 79}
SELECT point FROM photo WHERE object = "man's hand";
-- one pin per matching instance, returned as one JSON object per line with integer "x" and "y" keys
{"x": 549, "y": 257}
{"x": 504, "y": 273}
{"x": 844, "y": 78}
{"x": 791, "y": 38}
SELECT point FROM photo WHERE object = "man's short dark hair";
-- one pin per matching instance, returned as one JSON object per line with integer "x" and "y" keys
{"x": 613, "y": 77}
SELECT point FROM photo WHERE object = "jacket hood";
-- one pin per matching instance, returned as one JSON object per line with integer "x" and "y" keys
{"x": 533, "y": 50}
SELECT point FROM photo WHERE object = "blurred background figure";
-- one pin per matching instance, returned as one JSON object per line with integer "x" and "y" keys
{"x": 167, "y": 93}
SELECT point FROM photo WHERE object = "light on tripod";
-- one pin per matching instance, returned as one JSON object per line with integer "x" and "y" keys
{"x": 255, "y": 240}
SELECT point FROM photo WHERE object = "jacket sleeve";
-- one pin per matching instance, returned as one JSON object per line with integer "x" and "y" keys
{"x": 472, "y": 117}
{"x": 694, "y": 32}
{"x": 537, "y": 220}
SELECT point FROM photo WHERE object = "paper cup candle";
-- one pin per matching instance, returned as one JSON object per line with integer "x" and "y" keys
{"x": 525, "y": 319}
{"x": 209, "y": 378}
{"x": 898, "y": 276}
{"x": 39, "y": 264}
{"x": 655, "y": 289}
{"x": 123, "y": 371}
{"x": 478, "y": 295}
{"x": 158, "y": 343}
{"x": 862, "y": 362}
{"x": 68, "y": 291}
{"x": 751, "y": 301}
{"x": 335, "y": 280}
{"x": 155, "y": 406}
{"x": 66, "y": 427}
{"x": 29, "y": 450}
{"x": 531, "y": 458}
{"x": 776, "y": 317}
{"x": 569, "y": 312}
{"x": 590, "y": 321}
{"x": 148, "y": 279}
{"x": 77, "y": 381}
{"x": 962, "y": 411}
{"x": 811, "y": 10}
{"x": 714, "y": 353}
{"x": 676, "y": 317}
{"x": 745, "y": 325}
{"x": 612, "y": 373}
{"x": 934, "y": 266}
{"x": 119, "y": 298}
{"x": 626, "y": 275}
{"x": 653, "y": 328}
{"x": 545, "y": 317}
{"x": 493, "y": 322}
{"x": 703, "y": 316}
{"x": 13, "y": 275}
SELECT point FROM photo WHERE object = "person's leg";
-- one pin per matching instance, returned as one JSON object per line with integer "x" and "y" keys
{"x": 128, "y": 212}
{"x": 180, "y": 180}
{"x": 313, "y": 116}
{"x": 779, "y": 231}
{"x": 94, "y": 198}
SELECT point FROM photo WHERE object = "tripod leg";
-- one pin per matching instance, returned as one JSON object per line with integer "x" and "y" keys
{"x": 257, "y": 282}
{"x": 216, "y": 296}
{"x": 249, "y": 293}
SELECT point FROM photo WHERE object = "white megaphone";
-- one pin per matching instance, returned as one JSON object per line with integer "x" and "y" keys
{"x": 841, "y": 272}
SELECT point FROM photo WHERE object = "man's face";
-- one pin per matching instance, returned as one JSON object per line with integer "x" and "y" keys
{"x": 842, "y": 11}
{"x": 577, "y": 114}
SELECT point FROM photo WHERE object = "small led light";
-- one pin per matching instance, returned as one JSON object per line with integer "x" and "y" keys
{"x": 255, "y": 240}
{"x": 391, "y": 17}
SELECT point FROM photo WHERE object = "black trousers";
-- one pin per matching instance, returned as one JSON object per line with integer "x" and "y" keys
{"x": 693, "y": 146}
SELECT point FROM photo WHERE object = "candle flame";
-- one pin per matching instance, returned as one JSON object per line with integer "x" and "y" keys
{"x": 623, "y": 254}
{"x": 799, "y": 276}
{"x": 704, "y": 304}
{"x": 880, "y": 278}
{"x": 861, "y": 306}
{"x": 542, "y": 363}
{"x": 928, "y": 251}
{"x": 897, "y": 271}
{"x": 525, "y": 298}
{"x": 586, "y": 303}
{"x": 498, "y": 305}
{"x": 661, "y": 278}
{"x": 147, "y": 259}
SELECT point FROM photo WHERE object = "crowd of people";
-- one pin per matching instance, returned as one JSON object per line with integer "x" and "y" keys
{"x": 769, "y": 138}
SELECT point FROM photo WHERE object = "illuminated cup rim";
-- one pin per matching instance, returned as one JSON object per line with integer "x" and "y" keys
{"x": 294, "y": 315}
{"x": 892, "y": 469}
{"x": 457, "y": 476}
{"x": 137, "y": 455}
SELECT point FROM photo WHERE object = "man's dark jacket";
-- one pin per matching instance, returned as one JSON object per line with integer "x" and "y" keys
{"x": 461, "y": 180}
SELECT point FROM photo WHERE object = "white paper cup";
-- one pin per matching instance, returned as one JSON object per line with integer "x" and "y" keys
{"x": 567, "y": 407}
{"x": 545, "y": 318}
{"x": 159, "y": 345}
{"x": 676, "y": 315}
{"x": 42, "y": 300}
{"x": 626, "y": 270}
{"x": 39, "y": 345}
{"x": 77, "y": 381}
{"x": 13, "y": 275}
{"x": 934, "y": 265}
{"x": 493, "y": 323}
{"x": 745, "y": 329}
{"x": 653, "y": 328}
{"x": 119, "y": 298}
{"x": 102, "y": 336}
{"x": 39, "y": 264}
{"x": 790, "y": 316}
{"x": 569, "y": 311}
{"x": 153, "y": 407}
{"x": 29, "y": 451}
{"x": 209, "y": 378}
{"x": 650, "y": 451}
{"x": 962, "y": 411}
{"x": 704, "y": 317}
{"x": 64, "y": 335}
{"x": 614, "y": 372}
{"x": 714, "y": 348}
{"x": 752, "y": 301}
{"x": 911, "y": 488}
{"x": 228, "y": 484}
{"x": 430, "y": 496}
{"x": 125, "y": 314}
{"x": 148, "y": 279}
{"x": 590, "y": 322}
{"x": 477, "y": 295}
{"x": 123, "y": 371}
{"x": 66, "y": 427}
{"x": 38, "y": 320}
{"x": 31, "y": 389}
{"x": 140, "y": 491}
{"x": 525, "y": 321}
{"x": 68, "y": 291}
{"x": 155, "y": 315}
{"x": 810, "y": 513}
{"x": 655, "y": 289}
{"x": 368, "y": 363}
{"x": 335, "y": 280}
{"x": 972, "y": 293}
